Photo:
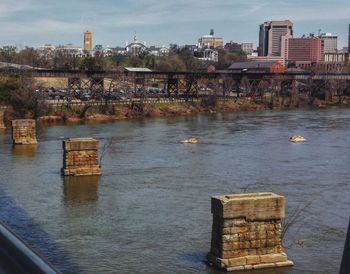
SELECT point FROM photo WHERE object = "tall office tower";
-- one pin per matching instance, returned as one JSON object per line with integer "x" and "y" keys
{"x": 270, "y": 36}
{"x": 87, "y": 40}
{"x": 329, "y": 42}
{"x": 263, "y": 39}
{"x": 349, "y": 40}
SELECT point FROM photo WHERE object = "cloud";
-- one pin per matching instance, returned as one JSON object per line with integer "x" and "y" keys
{"x": 37, "y": 20}
{"x": 9, "y": 7}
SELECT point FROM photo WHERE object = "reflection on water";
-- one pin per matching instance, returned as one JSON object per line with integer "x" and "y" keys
{"x": 80, "y": 189}
{"x": 18, "y": 219}
{"x": 281, "y": 270}
{"x": 24, "y": 150}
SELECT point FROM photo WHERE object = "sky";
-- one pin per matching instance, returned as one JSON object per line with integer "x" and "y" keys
{"x": 161, "y": 22}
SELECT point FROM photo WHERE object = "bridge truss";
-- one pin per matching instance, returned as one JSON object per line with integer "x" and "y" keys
{"x": 194, "y": 84}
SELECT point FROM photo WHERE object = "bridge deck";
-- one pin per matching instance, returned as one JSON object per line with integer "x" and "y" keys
{"x": 171, "y": 74}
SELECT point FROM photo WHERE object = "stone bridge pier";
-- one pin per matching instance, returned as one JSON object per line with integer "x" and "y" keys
{"x": 80, "y": 157}
{"x": 246, "y": 232}
{"x": 24, "y": 132}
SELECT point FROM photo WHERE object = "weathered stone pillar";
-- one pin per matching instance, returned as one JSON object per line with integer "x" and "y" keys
{"x": 80, "y": 157}
{"x": 2, "y": 124}
{"x": 345, "y": 265}
{"x": 24, "y": 132}
{"x": 246, "y": 232}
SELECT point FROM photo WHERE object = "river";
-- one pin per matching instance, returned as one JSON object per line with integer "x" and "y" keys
{"x": 150, "y": 210}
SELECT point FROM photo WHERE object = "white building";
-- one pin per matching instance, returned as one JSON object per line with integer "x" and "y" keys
{"x": 71, "y": 49}
{"x": 46, "y": 50}
{"x": 159, "y": 51}
{"x": 136, "y": 47}
{"x": 247, "y": 48}
{"x": 330, "y": 42}
{"x": 210, "y": 55}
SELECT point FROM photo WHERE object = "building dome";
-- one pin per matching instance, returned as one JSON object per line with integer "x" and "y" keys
{"x": 135, "y": 47}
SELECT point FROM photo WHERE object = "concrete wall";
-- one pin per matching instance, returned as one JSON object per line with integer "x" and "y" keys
{"x": 24, "y": 132}
{"x": 246, "y": 232}
{"x": 80, "y": 157}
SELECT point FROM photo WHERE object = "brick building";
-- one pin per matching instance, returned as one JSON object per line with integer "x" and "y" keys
{"x": 305, "y": 49}
{"x": 210, "y": 41}
{"x": 87, "y": 40}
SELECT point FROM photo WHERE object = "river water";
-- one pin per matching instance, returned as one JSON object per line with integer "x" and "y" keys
{"x": 150, "y": 210}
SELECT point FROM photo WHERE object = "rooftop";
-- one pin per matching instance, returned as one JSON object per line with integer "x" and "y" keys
{"x": 252, "y": 65}
{"x": 137, "y": 69}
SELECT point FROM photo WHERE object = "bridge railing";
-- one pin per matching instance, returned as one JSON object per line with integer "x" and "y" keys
{"x": 21, "y": 258}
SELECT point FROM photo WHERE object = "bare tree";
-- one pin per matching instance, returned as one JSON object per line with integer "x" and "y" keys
{"x": 25, "y": 102}
{"x": 295, "y": 217}
{"x": 107, "y": 147}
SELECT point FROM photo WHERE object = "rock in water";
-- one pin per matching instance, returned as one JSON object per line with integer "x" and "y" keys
{"x": 192, "y": 140}
{"x": 297, "y": 139}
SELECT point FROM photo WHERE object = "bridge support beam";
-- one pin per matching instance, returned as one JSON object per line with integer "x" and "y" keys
{"x": 74, "y": 84}
{"x": 246, "y": 232}
{"x": 97, "y": 84}
{"x": 192, "y": 87}
{"x": 24, "y": 132}
{"x": 80, "y": 157}
{"x": 173, "y": 86}
{"x": 139, "y": 85}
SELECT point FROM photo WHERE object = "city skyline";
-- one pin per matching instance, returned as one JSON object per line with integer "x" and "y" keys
{"x": 33, "y": 22}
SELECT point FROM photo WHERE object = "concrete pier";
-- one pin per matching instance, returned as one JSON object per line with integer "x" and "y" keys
{"x": 246, "y": 232}
{"x": 24, "y": 132}
{"x": 345, "y": 265}
{"x": 2, "y": 124}
{"x": 80, "y": 157}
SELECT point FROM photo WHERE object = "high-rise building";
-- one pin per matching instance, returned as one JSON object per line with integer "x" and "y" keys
{"x": 87, "y": 40}
{"x": 329, "y": 42}
{"x": 270, "y": 36}
{"x": 305, "y": 49}
{"x": 263, "y": 39}
{"x": 349, "y": 40}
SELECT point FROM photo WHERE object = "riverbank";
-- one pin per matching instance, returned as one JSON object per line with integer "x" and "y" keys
{"x": 106, "y": 113}
{"x": 113, "y": 112}
{"x": 211, "y": 105}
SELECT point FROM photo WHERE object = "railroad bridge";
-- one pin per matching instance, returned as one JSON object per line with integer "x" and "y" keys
{"x": 190, "y": 83}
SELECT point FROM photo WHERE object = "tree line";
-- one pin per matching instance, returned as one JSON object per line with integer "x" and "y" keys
{"x": 179, "y": 59}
